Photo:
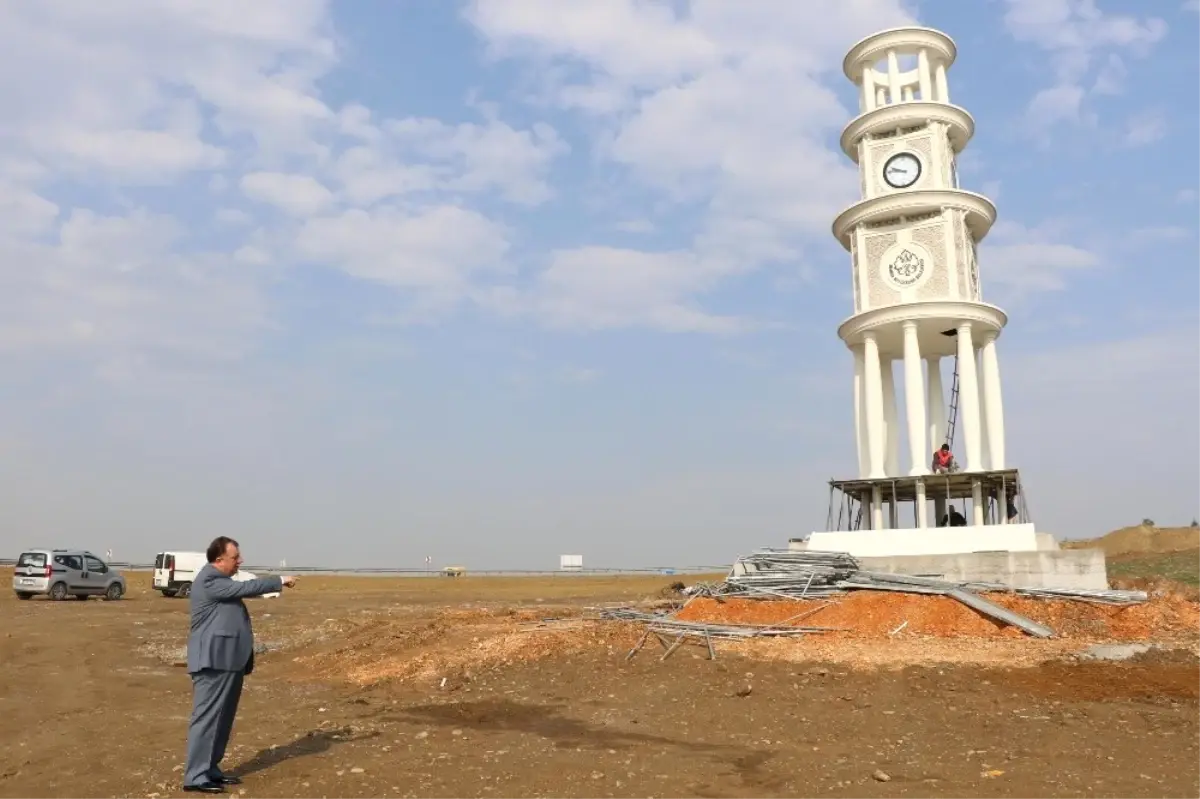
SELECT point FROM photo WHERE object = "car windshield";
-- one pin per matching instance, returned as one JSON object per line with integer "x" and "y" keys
{"x": 34, "y": 559}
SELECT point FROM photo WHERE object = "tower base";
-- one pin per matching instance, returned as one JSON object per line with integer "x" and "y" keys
{"x": 1076, "y": 569}
{"x": 932, "y": 540}
{"x": 999, "y": 544}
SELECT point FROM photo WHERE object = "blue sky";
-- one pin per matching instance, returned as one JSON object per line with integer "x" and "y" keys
{"x": 365, "y": 282}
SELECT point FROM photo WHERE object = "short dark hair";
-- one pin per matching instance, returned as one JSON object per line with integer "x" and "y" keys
{"x": 218, "y": 546}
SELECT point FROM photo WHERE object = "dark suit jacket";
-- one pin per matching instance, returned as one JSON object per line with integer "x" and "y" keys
{"x": 221, "y": 637}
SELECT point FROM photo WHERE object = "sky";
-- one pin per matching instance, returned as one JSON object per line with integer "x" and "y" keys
{"x": 361, "y": 283}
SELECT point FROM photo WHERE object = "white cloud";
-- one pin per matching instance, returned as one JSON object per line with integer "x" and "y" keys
{"x": 607, "y": 287}
{"x": 1017, "y": 260}
{"x": 436, "y": 253}
{"x": 120, "y": 286}
{"x": 126, "y": 93}
{"x": 1145, "y": 128}
{"x": 1161, "y": 233}
{"x": 298, "y": 195}
{"x": 726, "y": 106}
{"x": 136, "y": 93}
{"x": 116, "y": 87}
{"x": 1075, "y": 33}
{"x": 413, "y": 155}
{"x": 1185, "y": 196}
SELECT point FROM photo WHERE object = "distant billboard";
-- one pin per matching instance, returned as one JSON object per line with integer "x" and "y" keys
{"x": 570, "y": 563}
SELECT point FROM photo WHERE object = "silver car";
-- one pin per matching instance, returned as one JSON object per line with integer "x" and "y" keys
{"x": 60, "y": 573}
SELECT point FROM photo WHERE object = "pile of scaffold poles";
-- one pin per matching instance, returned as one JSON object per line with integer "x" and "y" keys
{"x": 786, "y": 574}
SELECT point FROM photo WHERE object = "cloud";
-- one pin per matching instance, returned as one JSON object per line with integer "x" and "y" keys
{"x": 435, "y": 253}
{"x": 122, "y": 287}
{"x": 133, "y": 94}
{"x": 101, "y": 97}
{"x": 299, "y": 195}
{"x": 609, "y": 287}
{"x": 727, "y": 109}
{"x": 1134, "y": 390}
{"x": 1017, "y": 260}
{"x": 116, "y": 89}
{"x": 1145, "y": 128}
{"x": 1076, "y": 34}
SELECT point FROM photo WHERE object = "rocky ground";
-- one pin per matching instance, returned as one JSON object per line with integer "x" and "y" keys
{"x": 390, "y": 687}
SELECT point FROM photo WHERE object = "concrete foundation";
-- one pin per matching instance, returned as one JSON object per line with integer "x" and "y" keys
{"x": 1065, "y": 568}
{"x": 930, "y": 540}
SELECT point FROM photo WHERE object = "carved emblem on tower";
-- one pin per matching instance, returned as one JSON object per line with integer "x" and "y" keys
{"x": 907, "y": 269}
{"x": 906, "y": 266}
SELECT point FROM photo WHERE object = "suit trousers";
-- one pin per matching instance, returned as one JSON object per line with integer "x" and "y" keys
{"x": 215, "y": 696}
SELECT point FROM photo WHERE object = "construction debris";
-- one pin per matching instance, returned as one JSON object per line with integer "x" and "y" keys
{"x": 784, "y": 574}
{"x": 801, "y": 575}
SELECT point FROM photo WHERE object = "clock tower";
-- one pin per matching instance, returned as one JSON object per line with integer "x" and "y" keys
{"x": 920, "y": 323}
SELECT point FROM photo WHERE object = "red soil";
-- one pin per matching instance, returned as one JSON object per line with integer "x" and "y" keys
{"x": 871, "y": 614}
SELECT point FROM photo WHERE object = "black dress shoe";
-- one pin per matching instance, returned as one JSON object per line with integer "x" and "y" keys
{"x": 205, "y": 787}
{"x": 227, "y": 779}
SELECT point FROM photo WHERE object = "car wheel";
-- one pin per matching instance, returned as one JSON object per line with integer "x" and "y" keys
{"x": 184, "y": 590}
{"x": 114, "y": 592}
{"x": 58, "y": 592}
{"x": 24, "y": 595}
{"x": 168, "y": 592}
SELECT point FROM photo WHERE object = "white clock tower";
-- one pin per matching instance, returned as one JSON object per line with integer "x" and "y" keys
{"x": 918, "y": 304}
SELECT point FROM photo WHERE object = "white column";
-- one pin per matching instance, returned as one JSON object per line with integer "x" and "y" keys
{"x": 893, "y": 77}
{"x": 880, "y": 97}
{"x": 976, "y": 503}
{"x": 891, "y": 421}
{"x": 936, "y": 403}
{"x": 876, "y": 508}
{"x": 922, "y": 510}
{"x": 968, "y": 398}
{"x": 860, "y": 429}
{"x": 943, "y": 90}
{"x": 914, "y": 401}
{"x": 924, "y": 80}
{"x": 873, "y": 383}
{"x": 907, "y": 94}
{"x": 994, "y": 402}
{"x": 868, "y": 88}
{"x": 985, "y": 457}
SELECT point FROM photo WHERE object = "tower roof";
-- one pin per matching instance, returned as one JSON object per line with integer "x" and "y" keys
{"x": 910, "y": 39}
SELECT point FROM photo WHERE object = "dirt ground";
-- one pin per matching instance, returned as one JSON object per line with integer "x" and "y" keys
{"x": 441, "y": 687}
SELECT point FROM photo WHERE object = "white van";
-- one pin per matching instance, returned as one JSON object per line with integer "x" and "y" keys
{"x": 174, "y": 572}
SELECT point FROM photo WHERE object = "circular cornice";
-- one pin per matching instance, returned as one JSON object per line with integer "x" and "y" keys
{"x": 981, "y": 213}
{"x": 909, "y": 38}
{"x": 887, "y": 118}
{"x": 992, "y": 318}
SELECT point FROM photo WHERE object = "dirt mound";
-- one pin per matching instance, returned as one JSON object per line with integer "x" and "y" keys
{"x": 875, "y": 614}
{"x": 456, "y": 645}
{"x": 1142, "y": 539}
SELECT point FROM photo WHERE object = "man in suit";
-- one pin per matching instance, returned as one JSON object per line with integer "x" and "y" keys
{"x": 220, "y": 655}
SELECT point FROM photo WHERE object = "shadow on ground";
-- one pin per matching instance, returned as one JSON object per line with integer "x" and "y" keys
{"x": 500, "y": 715}
{"x": 313, "y": 742}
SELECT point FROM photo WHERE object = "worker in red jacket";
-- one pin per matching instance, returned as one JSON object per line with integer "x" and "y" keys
{"x": 943, "y": 460}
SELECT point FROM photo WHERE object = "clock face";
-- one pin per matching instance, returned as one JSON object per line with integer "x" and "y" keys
{"x": 901, "y": 170}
